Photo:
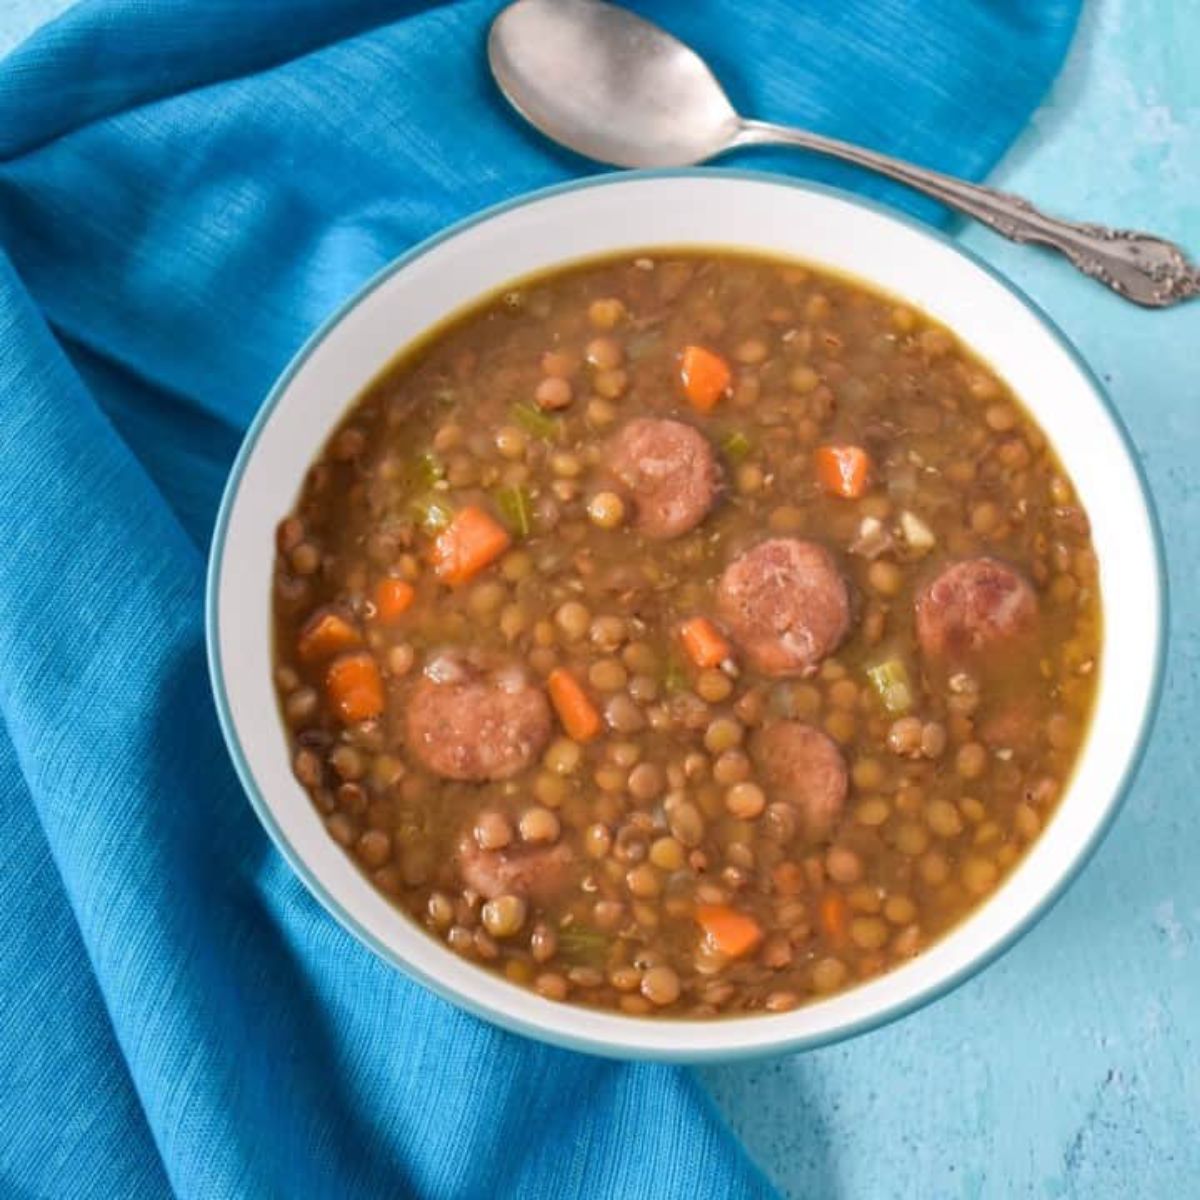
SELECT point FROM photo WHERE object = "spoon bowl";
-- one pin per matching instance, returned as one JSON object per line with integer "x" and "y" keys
{"x": 609, "y": 85}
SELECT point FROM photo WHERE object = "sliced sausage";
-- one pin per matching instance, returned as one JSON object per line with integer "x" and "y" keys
{"x": 786, "y": 604}
{"x": 972, "y": 606}
{"x": 804, "y": 767}
{"x": 465, "y": 724}
{"x": 538, "y": 873}
{"x": 668, "y": 471}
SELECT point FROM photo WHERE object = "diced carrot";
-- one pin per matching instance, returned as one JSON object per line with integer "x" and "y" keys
{"x": 843, "y": 470}
{"x": 703, "y": 642}
{"x": 731, "y": 932}
{"x": 355, "y": 687}
{"x": 576, "y": 712}
{"x": 392, "y": 598}
{"x": 468, "y": 544}
{"x": 325, "y": 634}
{"x": 834, "y": 913}
{"x": 705, "y": 375}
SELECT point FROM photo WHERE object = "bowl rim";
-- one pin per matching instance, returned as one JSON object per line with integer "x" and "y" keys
{"x": 584, "y": 1043}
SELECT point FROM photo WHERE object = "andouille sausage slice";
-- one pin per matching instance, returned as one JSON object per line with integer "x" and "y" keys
{"x": 786, "y": 604}
{"x": 803, "y": 766}
{"x": 669, "y": 472}
{"x": 973, "y": 606}
{"x": 463, "y": 723}
{"x": 536, "y": 872}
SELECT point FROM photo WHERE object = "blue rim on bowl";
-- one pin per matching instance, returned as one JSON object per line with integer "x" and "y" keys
{"x": 885, "y": 1015}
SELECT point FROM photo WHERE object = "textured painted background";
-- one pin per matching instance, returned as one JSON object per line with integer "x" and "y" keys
{"x": 1069, "y": 1069}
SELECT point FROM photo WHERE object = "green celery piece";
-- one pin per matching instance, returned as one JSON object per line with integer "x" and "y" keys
{"x": 433, "y": 513}
{"x": 891, "y": 683}
{"x": 736, "y": 445}
{"x": 674, "y": 676}
{"x": 536, "y": 422}
{"x": 427, "y": 470}
{"x": 516, "y": 508}
{"x": 582, "y": 946}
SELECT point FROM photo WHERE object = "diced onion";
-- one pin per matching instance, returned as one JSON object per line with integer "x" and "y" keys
{"x": 445, "y": 668}
{"x": 916, "y": 533}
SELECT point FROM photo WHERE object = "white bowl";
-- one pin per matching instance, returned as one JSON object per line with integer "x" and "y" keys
{"x": 708, "y": 209}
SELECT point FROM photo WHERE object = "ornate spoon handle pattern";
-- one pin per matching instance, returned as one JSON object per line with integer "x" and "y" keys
{"x": 1146, "y": 269}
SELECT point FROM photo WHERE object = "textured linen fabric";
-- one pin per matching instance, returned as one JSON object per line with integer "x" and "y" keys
{"x": 186, "y": 190}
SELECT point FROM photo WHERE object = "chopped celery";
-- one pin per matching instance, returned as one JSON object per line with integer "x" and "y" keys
{"x": 891, "y": 683}
{"x": 427, "y": 470}
{"x": 583, "y": 946}
{"x": 516, "y": 509}
{"x": 674, "y": 676}
{"x": 536, "y": 422}
{"x": 432, "y": 512}
{"x": 736, "y": 445}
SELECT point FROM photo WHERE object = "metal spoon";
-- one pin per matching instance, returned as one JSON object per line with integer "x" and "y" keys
{"x": 616, "y": 88}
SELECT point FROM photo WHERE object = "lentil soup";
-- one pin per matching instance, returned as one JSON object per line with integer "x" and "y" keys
{"x": 686, "y": 633}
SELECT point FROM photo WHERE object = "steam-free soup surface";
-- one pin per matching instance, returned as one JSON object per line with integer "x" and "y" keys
{"x": 686, "y": 633}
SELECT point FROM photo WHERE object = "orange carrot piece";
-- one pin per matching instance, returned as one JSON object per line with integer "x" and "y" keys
{"x": 392, "y": 598}
{"x": 325, "y": 634}
{"x": 703, "y": 642}
{"x": 843, "y": 470}
{"x": 355, "y": 687}
{"x": 731, "y": 932}
{"x": 705, "y": 376}
{"x": 468, "y": 544}
{"x": 834, "y": 914}
{"x": 576, "y": 712}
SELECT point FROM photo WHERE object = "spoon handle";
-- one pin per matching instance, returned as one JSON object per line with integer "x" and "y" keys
{"x": 1138, "y": 266}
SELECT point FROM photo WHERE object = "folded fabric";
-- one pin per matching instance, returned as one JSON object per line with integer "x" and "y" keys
{"x": 186, "y": 190}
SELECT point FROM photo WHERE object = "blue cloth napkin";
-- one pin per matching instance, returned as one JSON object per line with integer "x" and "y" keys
{"x": 186, "y": 190}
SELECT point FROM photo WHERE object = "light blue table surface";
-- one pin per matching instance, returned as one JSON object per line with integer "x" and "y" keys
{"x": 1068, "y": 1069}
